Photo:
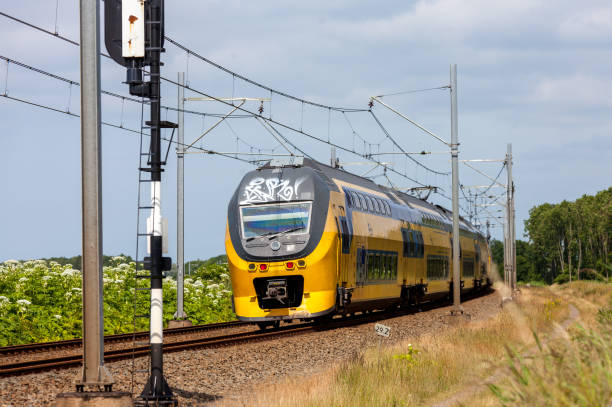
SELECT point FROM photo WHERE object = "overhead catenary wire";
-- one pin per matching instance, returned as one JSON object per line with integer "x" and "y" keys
{"x": 108, "y": 93}
{"x": 257, "y": 84}
{"x": 291, "y": 128}
{"x": 402, "y": 150}
{"x": 127, "y": 129}
{"x": 413, "y": 91}
{"x": 269, "y": 89}
{"x": 251, "y": 114}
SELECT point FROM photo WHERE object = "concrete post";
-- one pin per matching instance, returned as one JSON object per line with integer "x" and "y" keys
{"x": 94, "y": 373}
{"x": 511, "y": 222}
{"x": 180, "y": 203}
{"x": 457, "y": 309}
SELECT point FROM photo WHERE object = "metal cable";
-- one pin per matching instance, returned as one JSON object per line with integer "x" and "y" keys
{"x": 28, "y": 102}
{"x": 402, "y": 150}
{"x": 252, "y": 82}
{"x": 112, "y": 94}
{"x": 413, "y": 91}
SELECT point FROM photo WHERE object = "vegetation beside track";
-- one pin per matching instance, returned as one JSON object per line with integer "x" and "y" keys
{"x": 567, "y": 241}
{"x": 41, "y": 300}
{"x": 521, "y": 356}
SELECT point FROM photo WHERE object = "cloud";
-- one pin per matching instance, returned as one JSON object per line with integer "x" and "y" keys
{"x": 576, "y": 91}
{"x": 593, "y": 25}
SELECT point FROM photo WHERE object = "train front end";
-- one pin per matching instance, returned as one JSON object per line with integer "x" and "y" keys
{"x": 281, "y": 247}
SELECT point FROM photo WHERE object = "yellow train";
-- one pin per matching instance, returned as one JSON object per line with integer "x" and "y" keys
{"x": 305, "y": 240}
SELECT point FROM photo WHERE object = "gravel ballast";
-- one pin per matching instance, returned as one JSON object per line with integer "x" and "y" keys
{"x": 230, "y": 373}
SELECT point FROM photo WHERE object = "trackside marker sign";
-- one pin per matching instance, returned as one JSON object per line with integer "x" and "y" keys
{"x": 382, "y": 330}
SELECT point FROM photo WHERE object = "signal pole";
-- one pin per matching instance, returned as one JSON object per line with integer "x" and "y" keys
{"x": 134, "y": 32}
{"x": 457, "y": 308}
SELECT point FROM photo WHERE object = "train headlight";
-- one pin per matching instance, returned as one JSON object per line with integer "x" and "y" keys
{"x": 263, "y": 267}
{"x": 289, "y": 265}
{"x": 301, "y": 264}
{"x": 252, "y": 267}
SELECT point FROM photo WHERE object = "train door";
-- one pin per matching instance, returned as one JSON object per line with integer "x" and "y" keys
{"x": 345, "y": 235}
{"x": 361, "y": 266}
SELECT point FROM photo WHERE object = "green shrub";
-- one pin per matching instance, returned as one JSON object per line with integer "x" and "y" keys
{"x": 41, "y": 301}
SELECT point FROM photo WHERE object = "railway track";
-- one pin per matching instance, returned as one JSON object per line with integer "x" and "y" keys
{"x": 77, "y": 343}
{"x": 61, "y": 362}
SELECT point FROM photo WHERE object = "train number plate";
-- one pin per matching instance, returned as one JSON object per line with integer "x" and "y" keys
{"x": 382, "y": 330}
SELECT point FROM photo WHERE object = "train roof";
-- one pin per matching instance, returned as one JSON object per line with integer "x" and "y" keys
{"x": 398, "y": 197}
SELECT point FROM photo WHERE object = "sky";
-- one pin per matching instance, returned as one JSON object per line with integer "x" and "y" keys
{"x": 532, "y": 73}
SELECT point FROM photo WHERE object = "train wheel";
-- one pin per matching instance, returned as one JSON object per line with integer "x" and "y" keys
{"x": 262, "y": 325}
{"x": 276, "y": 324}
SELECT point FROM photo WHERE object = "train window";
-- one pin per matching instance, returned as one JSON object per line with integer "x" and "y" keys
{"x": 381, "y": 206}
{"x": 468, "y": 267}
{"x": 422, "y": 252}
{"x": 369, "y": 202}
{"x": 356, "y": 202}
{"x": 370, "y": 266}
{"x": 287, "y": 218}
{"x": 437, "y": 267}
{"x": 387, "y": 208}
{"x": 412, "y": 244}
{"x": 363, "y": 202}
{"x": 375, "y": 204}
{"x": 394, "y": 265}
{"x": 405, "y": 240}
{"x": 349, "y": 200}
{"x": 385, "y": 266}
{"x": 374, "y": 266}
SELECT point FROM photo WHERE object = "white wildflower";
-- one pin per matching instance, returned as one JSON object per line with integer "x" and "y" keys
{"x": 45, "y": 278}
{"x": 67, "y": 273}
{"x": 118, "y": 281}
{"x": 77, "y": 289}
{"x": 4, "y": 300}
{"x": 210, "y": 295}
{"x": 11, "y": 262}
{"x": 57, "y": 316}
{"x": 119, "y": 258}
{"x": 224, "y": 275}
{"x": 23, "y": 302}
{"x": 212, "y": 286}
{"x": 23, "y": 279}
{"x": 215, "y": 302}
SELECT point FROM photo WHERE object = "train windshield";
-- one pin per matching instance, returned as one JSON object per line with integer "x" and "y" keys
{"x": 266, "y": 220}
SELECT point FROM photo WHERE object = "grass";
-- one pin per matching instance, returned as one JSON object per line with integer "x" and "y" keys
{"x": 438, "y": 366}
{"x": 571, "y": 371}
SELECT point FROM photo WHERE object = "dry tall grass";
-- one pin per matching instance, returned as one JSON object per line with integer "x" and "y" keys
{"x": 572, "y": 371}
{"x": 429, "y": 369}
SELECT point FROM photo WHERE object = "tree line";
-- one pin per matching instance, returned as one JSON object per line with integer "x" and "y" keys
{"x": 566, "y": 241}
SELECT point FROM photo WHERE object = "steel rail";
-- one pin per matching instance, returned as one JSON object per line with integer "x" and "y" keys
{"x": 117, "y": 338}
{"x": 62, "y": 362}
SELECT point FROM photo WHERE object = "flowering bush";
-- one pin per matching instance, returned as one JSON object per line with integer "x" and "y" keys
{"x": 41, "y": 301}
